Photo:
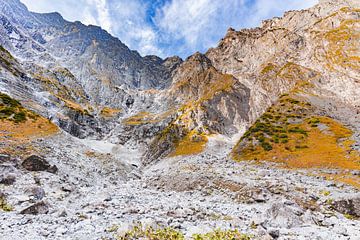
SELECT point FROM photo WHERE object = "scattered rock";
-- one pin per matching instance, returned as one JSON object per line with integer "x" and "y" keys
{"x": 36, "y": 163}
{"x": 251, "y": 195}
{"x": 282, "y": 215}
{"x": 38, "y": 208}
{"x": 37, "y": 192}
{"x": 7, "y": 179}
{"x": 4, "y": 158}
{"x": 63, "y": 213}
{"x": 275, "y": 234}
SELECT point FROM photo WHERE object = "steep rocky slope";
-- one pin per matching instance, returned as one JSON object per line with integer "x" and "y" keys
{"x": 80, "y": 62}
{"x": 260, "y": 134}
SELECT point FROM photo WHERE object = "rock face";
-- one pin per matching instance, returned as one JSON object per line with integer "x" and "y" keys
{"x": 36, "y": 163}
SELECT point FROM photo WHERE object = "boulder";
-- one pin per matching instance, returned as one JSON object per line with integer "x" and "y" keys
{"x": 36, "y": 192}
{"x": 37, "y": 208}
{"x": 7, "y": 179}
{"x": 36, "y": 163}
{"x": 348, "y": 206}
{"x": 281, "y": 215}
{"x": 4, "y": 158}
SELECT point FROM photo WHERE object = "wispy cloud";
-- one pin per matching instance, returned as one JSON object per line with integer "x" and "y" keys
{"x": 169, "y": 27}
{"x": 102, "y": 11}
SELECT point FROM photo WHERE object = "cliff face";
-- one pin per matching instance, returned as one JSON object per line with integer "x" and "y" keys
{"x": 313, "y": 52}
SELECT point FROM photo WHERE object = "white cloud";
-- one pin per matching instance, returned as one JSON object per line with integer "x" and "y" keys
{"x": 199, "y": 23}
{"x": 131, "y": 26}
{"x": 186, "y": 18}
{"x": 103, "y": 16}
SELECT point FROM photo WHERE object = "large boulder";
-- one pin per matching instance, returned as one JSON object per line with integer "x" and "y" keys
{"x": 348, "y": 206}
{"x": 36, "y": 163}
{"x": 37, "y": 208}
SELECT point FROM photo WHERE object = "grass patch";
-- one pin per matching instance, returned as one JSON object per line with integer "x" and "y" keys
{"x": 159, "y": 233}
{"x": 107, "y": 112}
{"x": 4, "y": 206}
{"x": 193, "y": 143}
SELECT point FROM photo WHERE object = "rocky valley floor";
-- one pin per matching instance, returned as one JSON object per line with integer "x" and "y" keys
{"x": 95, "y": 195}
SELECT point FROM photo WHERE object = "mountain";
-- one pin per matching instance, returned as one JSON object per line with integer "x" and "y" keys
{"x": 260, "y": 133}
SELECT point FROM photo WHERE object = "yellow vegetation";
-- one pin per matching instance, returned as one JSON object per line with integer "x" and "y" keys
{"x": 107, "y": 112}
{"x": 19, "y": 125}
{"x": 344, "y": 44}
{"x": 204, "y": 86}
{"x": 74, "y": 106}
{"x": 268, "y": 68}
{"x": 41, "y": 127}
{"x": 344, "y": 177}
{"x": 192, "y": 143}
{"x": 219, "y": 85}
{"x": 146, "y": 117}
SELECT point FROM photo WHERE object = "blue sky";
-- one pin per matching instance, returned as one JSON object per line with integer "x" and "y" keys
{"x": 169, "y": 27}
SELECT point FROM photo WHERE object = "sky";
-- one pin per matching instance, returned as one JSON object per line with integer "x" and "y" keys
{"x": 169, "y": 27}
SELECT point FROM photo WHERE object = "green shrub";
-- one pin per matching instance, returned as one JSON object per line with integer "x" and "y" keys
{"x": 140, "y": 232}
{"x": 19, "y": 117}
{"x": 266, "y": 146}
{"x": 7, "y": 111}
{"x": 283, "y": 135}
{"x": 7, "y": 100}
{"x": 298, "y": 130}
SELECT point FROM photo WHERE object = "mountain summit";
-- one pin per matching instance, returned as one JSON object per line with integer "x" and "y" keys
{"x": 258, "y": 137}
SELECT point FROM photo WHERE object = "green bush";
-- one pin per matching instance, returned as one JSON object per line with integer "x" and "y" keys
{"x": 4, "y": 205}
{"x": 298, "y": 130}
{"x": 19, "y": 117}
{"x": 140, "y": 232}
{"x": 7, "y": 100}
{"x": 266, "y": 146}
